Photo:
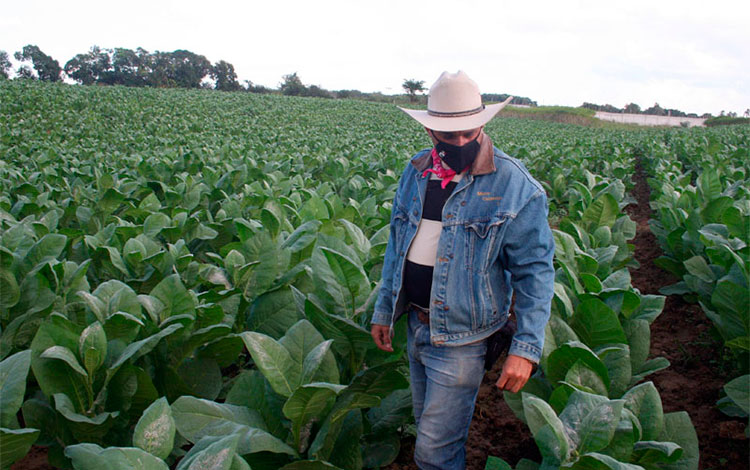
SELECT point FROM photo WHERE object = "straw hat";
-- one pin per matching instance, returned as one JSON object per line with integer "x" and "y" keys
{"x": 455, "y": 104}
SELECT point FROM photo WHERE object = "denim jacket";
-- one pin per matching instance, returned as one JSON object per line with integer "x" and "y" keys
{"x": 496, "y": 241}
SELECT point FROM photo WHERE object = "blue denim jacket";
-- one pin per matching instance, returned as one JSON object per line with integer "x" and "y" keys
{"x": 496, "y": 241}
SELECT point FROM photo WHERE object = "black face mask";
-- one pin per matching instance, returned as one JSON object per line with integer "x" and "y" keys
{"x": 458, "y": 157}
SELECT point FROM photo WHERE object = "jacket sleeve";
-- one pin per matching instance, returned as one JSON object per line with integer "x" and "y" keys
{"x": 528, "y": 255}
{"x": 384, "y": 303}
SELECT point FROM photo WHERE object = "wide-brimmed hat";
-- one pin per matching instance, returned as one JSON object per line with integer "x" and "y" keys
{"x": 455, "y": 104}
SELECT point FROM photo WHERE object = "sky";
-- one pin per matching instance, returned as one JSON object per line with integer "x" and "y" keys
{"x": 688, "y": 55}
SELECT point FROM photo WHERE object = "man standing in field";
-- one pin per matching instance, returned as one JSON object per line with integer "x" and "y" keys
{"x": 468, "y": 230}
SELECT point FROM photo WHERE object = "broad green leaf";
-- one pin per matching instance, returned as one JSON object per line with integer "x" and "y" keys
{"x": 655, "y": 452}
{"x": 563, "y": 358}
{"x": 175, "y": 297}
{"x": 211, "y": 453}
{"x": 13, "y": 373}
{"x": 698, "y": 267}
{"x": 49, "y": 247}
{"x": 645, "y": 403}
{"x": 593, "y": 419}
{"x": 253, "y": 391}
{"x": 154, "y": 223}
{"x": 92, "y": 347}
{"x": 679, "y": 429}
{"x": 302, "y": 236}
{"x": 320, "y": 365}
{"x": 273, "y": 313}
{"x": 582, "y": 377}
{"x": 85, "y": 428}
{"x": 738, "y": 390}
{"x": 307, "y": 403}
{"x": 66, "y": 355}
{"x": 597, "y": 461}
{"x": 274, "y": 360}
{"x": 596, "y": 324}
{"x": 140, "y": 348}
{"x": 496, "y": 463}
{"x": 347, "y": 451}
{"x": 195, "y": 417}
{"x": 394, "y": 411}
{"x": 15, "y": 444}
{"x": 92, "y": 457}
{"x": 309, "y": 465}
{"x": 9, "y": 291}
{"x": 348, "y": 277}
{"x": 156, "y": 429}
{"x": 602, "y": 212}
{"x": 548, "y": 430}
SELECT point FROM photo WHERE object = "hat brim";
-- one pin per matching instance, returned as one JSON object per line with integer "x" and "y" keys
{"x": 452, "y": 124}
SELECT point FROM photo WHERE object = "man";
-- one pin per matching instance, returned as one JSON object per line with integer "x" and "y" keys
{"x": 468, "y": 230}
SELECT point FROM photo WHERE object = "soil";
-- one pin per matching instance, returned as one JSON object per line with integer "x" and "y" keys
{"x": 692, "y": 383}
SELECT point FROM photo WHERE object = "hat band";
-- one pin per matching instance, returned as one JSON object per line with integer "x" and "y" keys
{"x": 455, "y": 113}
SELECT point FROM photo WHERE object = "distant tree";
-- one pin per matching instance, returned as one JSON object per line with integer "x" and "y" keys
{"x": 5, "y": 64}
{"x": 412, "y": 87}
{"x": 291, "y": 85}
{"x": 93, "y": 67}
{"x": 656, "y": 110}
{"x": 189, "y": 69}
{"x": 632, "y": 108}
{"x": 732, "y": 114}
{"x": 747, "y": 113}
{"x": 225, "y": 77}
{"x": 25, "y": 71}
{"x": 131, "y": 68}
{"x": 316, "y": 91}
{"x": 722, "y": 113}
{"x": 47, "y": 68}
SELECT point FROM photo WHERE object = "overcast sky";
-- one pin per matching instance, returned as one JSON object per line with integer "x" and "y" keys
{"x": 690, "y": 55}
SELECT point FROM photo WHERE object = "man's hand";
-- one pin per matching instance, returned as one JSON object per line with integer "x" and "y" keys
{"x": 516, "y": 372}
{"x": 382, "y": 336}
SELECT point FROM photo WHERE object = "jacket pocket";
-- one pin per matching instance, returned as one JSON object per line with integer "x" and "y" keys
{"x": 482, "y": 242}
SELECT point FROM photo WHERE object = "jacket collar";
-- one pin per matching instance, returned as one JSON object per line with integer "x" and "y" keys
{"x": 483, "y": 164}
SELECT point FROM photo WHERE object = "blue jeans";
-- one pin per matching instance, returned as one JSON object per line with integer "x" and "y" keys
{"x": 444, "y": 383}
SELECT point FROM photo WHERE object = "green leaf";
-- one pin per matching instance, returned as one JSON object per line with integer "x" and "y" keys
{"x": 273, "y": 313}
{"x": 698, "y": 267}
{"x": 48, "y": 248}
{"x": 655, "y": 452}
{"x": 140, "y": 348}
{"x": 214, "y": 453}
{"x": 309, "y": 465}
{"x": 202, "y": 376}
{"x": 394, "y": 411}
{"x": 496, "y": 463}
{"x": 645, "y": 403}
{"x": 195, "y": 417}
{"x": 154, "y": 223}
{"x": 619, "y": 367}
{"x": 597, "y": 324}
{"x": 10, "y": 294}
{"x": 92, "y": 347}
{"x": 13, "y": 373}
{"x": 156, "y": 429}
{"x": 738, "y": 390}
{"x": 84, "y": 427}
{"x": 679, "y": 429}
{"x": 320, "y": 365}
{"x": 92, "y": 457}
{"x": 566, "y": 355}
{"x": 175, "y": 297}
{"x": 348, "y": 278}
{"x": 548, "y": 430}
{"x": 596, "y": 461}
{"x": 582, "y": 377}
{"x": 250, "y": 389}
{"x": 302, "y": 236}
{"x": 309, "y": 402}
{"x": 603, "y": 211}
{"x": 274, "y": 360}
{"x": 66, "y": 355}
{"x": 593, "y": 419}
{"x": 15, "y": 444}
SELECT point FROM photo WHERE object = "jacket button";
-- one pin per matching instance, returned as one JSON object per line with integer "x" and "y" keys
{"x": 415, "y": 212}
{"x": 449, "y": 216}
{"x": 463, "y": 203}
{"x": 438, "y": 302}
{"x": 414, "y": 198}
{"x": 402, "y": 253}
{"x": 446, "y": 308}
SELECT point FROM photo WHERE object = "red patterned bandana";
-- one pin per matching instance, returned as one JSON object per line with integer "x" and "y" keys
{"x": 446, "y": 174}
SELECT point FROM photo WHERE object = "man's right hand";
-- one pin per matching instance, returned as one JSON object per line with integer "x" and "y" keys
{"x": 382, "y": 336}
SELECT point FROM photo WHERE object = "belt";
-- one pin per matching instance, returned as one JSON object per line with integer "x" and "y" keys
{"x": 423, "y": 314}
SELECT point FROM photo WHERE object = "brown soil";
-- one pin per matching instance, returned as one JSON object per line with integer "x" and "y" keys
{"x": 692, "y": 383}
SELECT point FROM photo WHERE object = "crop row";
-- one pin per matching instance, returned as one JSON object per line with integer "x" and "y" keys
{"x": 188, "y": 276}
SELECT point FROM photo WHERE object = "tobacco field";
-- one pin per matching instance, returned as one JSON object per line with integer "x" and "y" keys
{"x": 186, "y": 281}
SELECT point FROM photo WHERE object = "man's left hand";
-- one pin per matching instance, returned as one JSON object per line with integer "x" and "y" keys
{"x": 516, "y": 372}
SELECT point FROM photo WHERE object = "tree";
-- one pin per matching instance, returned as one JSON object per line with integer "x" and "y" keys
{"x": 291, "y": 85}
{"x": 632, "y": 108}
{"x": 747, "y": 113}
{"x": 189, "y": 69}
{"x": 93, "y": 67}
{"x": 225, "y": 77}
{"x": 131, "y": 68}
{"x": 412, "y": 87}
{"x": 655, "y": 110}
{"x": 4, "y": 64}
{"x": 47, "y": 68}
